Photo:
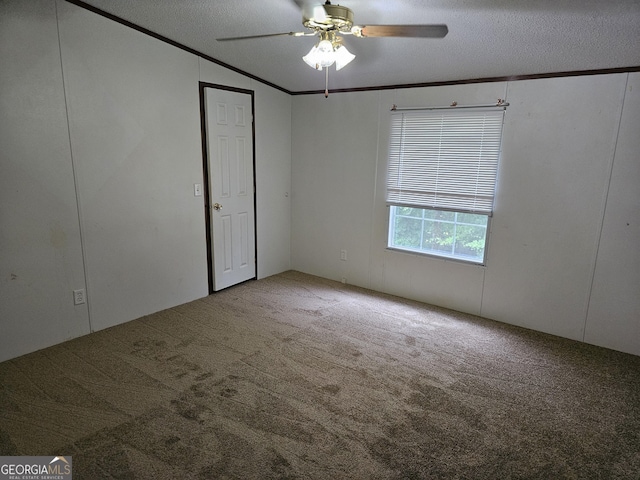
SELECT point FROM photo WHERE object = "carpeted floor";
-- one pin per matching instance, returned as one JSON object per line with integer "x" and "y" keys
{"x": 294, "y": 377}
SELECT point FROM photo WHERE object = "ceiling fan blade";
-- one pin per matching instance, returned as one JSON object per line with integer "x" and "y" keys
{"x": 418, "y": 31}
{"x": 248, "y": 37}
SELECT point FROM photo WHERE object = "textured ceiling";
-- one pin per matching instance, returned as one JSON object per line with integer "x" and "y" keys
{"x": 487, "y": 38}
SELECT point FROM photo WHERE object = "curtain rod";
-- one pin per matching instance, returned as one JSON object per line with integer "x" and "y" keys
{"x": 501, "y": 103}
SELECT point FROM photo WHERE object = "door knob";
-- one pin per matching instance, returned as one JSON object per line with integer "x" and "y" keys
{"x": 217, "y": 206}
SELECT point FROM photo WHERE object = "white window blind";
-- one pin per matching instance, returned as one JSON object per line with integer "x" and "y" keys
{"x": 444, "y": 159}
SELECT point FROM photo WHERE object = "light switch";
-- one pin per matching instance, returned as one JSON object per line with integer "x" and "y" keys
{"x": 197, "y": 189}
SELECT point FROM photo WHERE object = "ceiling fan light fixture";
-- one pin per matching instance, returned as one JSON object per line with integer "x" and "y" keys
{"x": 321, "y": 55}
{"x": 313, "y": 58}
{"x": 326, "y": 52}
{"x": 343, "y": 56}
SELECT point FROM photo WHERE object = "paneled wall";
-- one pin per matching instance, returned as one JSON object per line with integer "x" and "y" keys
{"x": 135, "y": 137}
{"x": 101, "y": 147}
{"x": 614, "y": 310}
{"x": 561, "y": 256}
{"x": 40, "y": 244}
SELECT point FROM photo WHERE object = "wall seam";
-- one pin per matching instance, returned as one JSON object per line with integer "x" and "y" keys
{"x": 372, "y": 239}
{"x": 604, "y": 209}
{"x": 485, "y": 266}
{"x": 75, "y": 176}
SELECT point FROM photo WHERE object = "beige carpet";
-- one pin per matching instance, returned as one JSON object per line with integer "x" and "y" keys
{"x": 294, "y": 376}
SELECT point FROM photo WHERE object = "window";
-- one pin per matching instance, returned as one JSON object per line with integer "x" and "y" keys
{"x": 441, "y": 181}
{"x": 438, "y": 232}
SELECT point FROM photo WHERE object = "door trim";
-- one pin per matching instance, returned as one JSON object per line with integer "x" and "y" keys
{"x": 205, "y": 173}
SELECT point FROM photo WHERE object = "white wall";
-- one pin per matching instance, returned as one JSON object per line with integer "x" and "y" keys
{"x": 549, "y": 232}
{"x": 273, "y": 179}
{"x": 101, "y": 147}
{"x": 559, "y": 142}
{"x": 135, "y": 137}
{"x": 335, "y": 141}
{"x": 614, "y": 310}
{"x": 40, "y": 249}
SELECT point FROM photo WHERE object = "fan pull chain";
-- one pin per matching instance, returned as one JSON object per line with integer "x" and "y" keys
{"x": 326, "y": 82}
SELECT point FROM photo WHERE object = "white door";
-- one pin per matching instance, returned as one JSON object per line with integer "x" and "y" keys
{"x": 231, "y": 188}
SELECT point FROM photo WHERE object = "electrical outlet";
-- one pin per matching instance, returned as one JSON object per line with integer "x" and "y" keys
{"x": 343, "y": 254}
{"x": 79, "y": 297}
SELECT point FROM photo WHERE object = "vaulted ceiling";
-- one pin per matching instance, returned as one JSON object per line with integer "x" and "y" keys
{"x": 486, "y": 39}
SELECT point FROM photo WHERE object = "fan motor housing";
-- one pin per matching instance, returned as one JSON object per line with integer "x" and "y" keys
{"x": 337, "y": 17}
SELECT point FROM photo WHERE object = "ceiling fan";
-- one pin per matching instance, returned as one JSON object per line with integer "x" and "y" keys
{"x": 329, "y": 21}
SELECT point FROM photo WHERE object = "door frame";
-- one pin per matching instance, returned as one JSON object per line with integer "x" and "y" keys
{"x": 205, "y": 173}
